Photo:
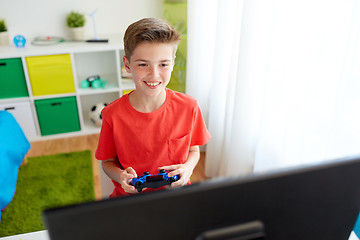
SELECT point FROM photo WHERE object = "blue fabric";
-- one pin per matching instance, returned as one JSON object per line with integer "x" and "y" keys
{"x": 357, "y": 227}
{"x": 13, "y": 148}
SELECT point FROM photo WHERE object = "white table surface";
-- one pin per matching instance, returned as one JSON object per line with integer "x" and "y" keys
{"x": 40, "y": 235}
{"x": 43, "y": 235}
{"x": 353, "y": 236}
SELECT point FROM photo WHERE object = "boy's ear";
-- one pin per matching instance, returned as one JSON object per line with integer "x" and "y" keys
{"x": 127, "y": 64}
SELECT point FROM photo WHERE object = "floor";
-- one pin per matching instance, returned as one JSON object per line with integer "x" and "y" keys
{"x": 89, "y": 142}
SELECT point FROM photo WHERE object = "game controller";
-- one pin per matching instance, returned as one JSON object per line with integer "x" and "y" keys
{"x": 153, "y": 181}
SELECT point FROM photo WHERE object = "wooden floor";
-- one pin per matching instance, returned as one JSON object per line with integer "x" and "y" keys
{"x": 89, "y": 142}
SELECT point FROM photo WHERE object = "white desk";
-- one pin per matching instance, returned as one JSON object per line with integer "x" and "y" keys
{"x": 353, "y": 236}
{"x": 40, "y": 235}
{"x": 43, "y": 235}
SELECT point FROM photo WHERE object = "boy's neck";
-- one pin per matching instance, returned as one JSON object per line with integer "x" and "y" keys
{"x": 147, "y": 104}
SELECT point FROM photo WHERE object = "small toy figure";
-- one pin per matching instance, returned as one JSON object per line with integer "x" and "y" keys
{"x": 19, "y": 41}
{"x": 93, "y": 81}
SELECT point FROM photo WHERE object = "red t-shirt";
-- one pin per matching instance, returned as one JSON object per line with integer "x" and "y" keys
{"x": 146, "y": 141}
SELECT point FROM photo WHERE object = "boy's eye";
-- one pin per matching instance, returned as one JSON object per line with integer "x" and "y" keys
{"x": 141, "y": 64}
{"x": 164, "y": 64}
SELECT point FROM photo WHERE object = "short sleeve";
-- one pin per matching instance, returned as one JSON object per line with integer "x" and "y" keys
{"x": 106, "y": 146}
{"x": 199, "y": 135}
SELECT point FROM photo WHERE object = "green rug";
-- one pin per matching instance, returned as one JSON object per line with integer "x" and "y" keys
{"x": 45, "y": 182}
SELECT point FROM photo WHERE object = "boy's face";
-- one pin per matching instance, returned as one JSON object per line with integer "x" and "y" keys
{"x": 151, "y": 65}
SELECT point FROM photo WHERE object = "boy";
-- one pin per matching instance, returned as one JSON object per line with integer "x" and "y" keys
{"x": 152, "y": 127}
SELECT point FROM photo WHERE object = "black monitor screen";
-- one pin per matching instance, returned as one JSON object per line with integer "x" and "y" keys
{"x": 315, "y": 202}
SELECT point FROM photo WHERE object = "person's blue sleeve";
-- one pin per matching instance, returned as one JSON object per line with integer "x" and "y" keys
{"x": 13, "y": 148}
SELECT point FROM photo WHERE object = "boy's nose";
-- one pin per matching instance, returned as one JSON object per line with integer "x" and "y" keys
{"x": 154, "y": 71}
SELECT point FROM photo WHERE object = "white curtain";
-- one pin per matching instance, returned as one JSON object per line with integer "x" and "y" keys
{"x": 278, "y": 81}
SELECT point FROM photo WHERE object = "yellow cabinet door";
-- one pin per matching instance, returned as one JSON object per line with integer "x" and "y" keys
{"x": 50, "y": 74}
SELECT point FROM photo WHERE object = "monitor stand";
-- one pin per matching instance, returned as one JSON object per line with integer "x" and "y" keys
{"x": 245, "y": 231}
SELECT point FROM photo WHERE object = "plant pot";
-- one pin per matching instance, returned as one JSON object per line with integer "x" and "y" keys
{"x": 77, "y": 33}
{"x": 4, "y": 38}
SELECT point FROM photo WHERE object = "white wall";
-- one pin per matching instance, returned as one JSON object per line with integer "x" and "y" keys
{"x": 33, "y": 18}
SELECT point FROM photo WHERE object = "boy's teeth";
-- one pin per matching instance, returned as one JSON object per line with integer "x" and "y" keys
{"x": 152, "y": 84}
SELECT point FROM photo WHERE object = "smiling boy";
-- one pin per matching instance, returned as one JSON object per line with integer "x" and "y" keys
{"x": 152, "y": 127}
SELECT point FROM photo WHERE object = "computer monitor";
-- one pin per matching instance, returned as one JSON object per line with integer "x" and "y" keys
{"x": 314, "y": 202}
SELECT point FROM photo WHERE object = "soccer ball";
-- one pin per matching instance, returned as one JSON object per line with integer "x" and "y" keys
{"x": 95, "y": 113}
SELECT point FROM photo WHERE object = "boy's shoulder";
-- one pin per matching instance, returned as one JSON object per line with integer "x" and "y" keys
{"x": 182, "y": 98}
{"x": 118, "y": 103}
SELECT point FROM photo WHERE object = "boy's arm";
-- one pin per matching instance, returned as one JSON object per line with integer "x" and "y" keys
{"x": 184, "y": 170}
{"x": 112, "y": 168}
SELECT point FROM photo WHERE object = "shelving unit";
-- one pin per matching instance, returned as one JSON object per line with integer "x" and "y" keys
{"x": 57, "y": 81}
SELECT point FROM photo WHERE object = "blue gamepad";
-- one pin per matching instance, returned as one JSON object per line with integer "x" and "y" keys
{"x": 153, "y": 181}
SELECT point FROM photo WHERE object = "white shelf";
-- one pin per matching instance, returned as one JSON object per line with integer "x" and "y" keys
{"x": 115, "y": 43}
{"x": 90, "y": 91}
{"x": 15, "y": 100}
{"x": 87, "y": 59}
{"x": 53, "y": 96}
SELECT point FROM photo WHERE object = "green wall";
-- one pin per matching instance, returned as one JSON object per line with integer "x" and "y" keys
{"x": 175, "y": 12}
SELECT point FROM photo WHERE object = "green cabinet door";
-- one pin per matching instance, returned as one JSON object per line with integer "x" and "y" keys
{"x": 57, "y": 115}
{"x": 12, "y": 79}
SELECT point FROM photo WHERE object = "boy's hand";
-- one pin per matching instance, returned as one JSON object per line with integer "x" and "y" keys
{"x": 183, "y": 170}
{"x": 125, "y": 178}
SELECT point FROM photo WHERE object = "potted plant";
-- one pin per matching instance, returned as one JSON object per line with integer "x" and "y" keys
{"x": 4, "y": 35}
{"x": 76, "y": 22}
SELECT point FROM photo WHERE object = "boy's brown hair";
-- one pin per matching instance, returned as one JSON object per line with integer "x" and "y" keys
{"x": 151, "y": 30}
